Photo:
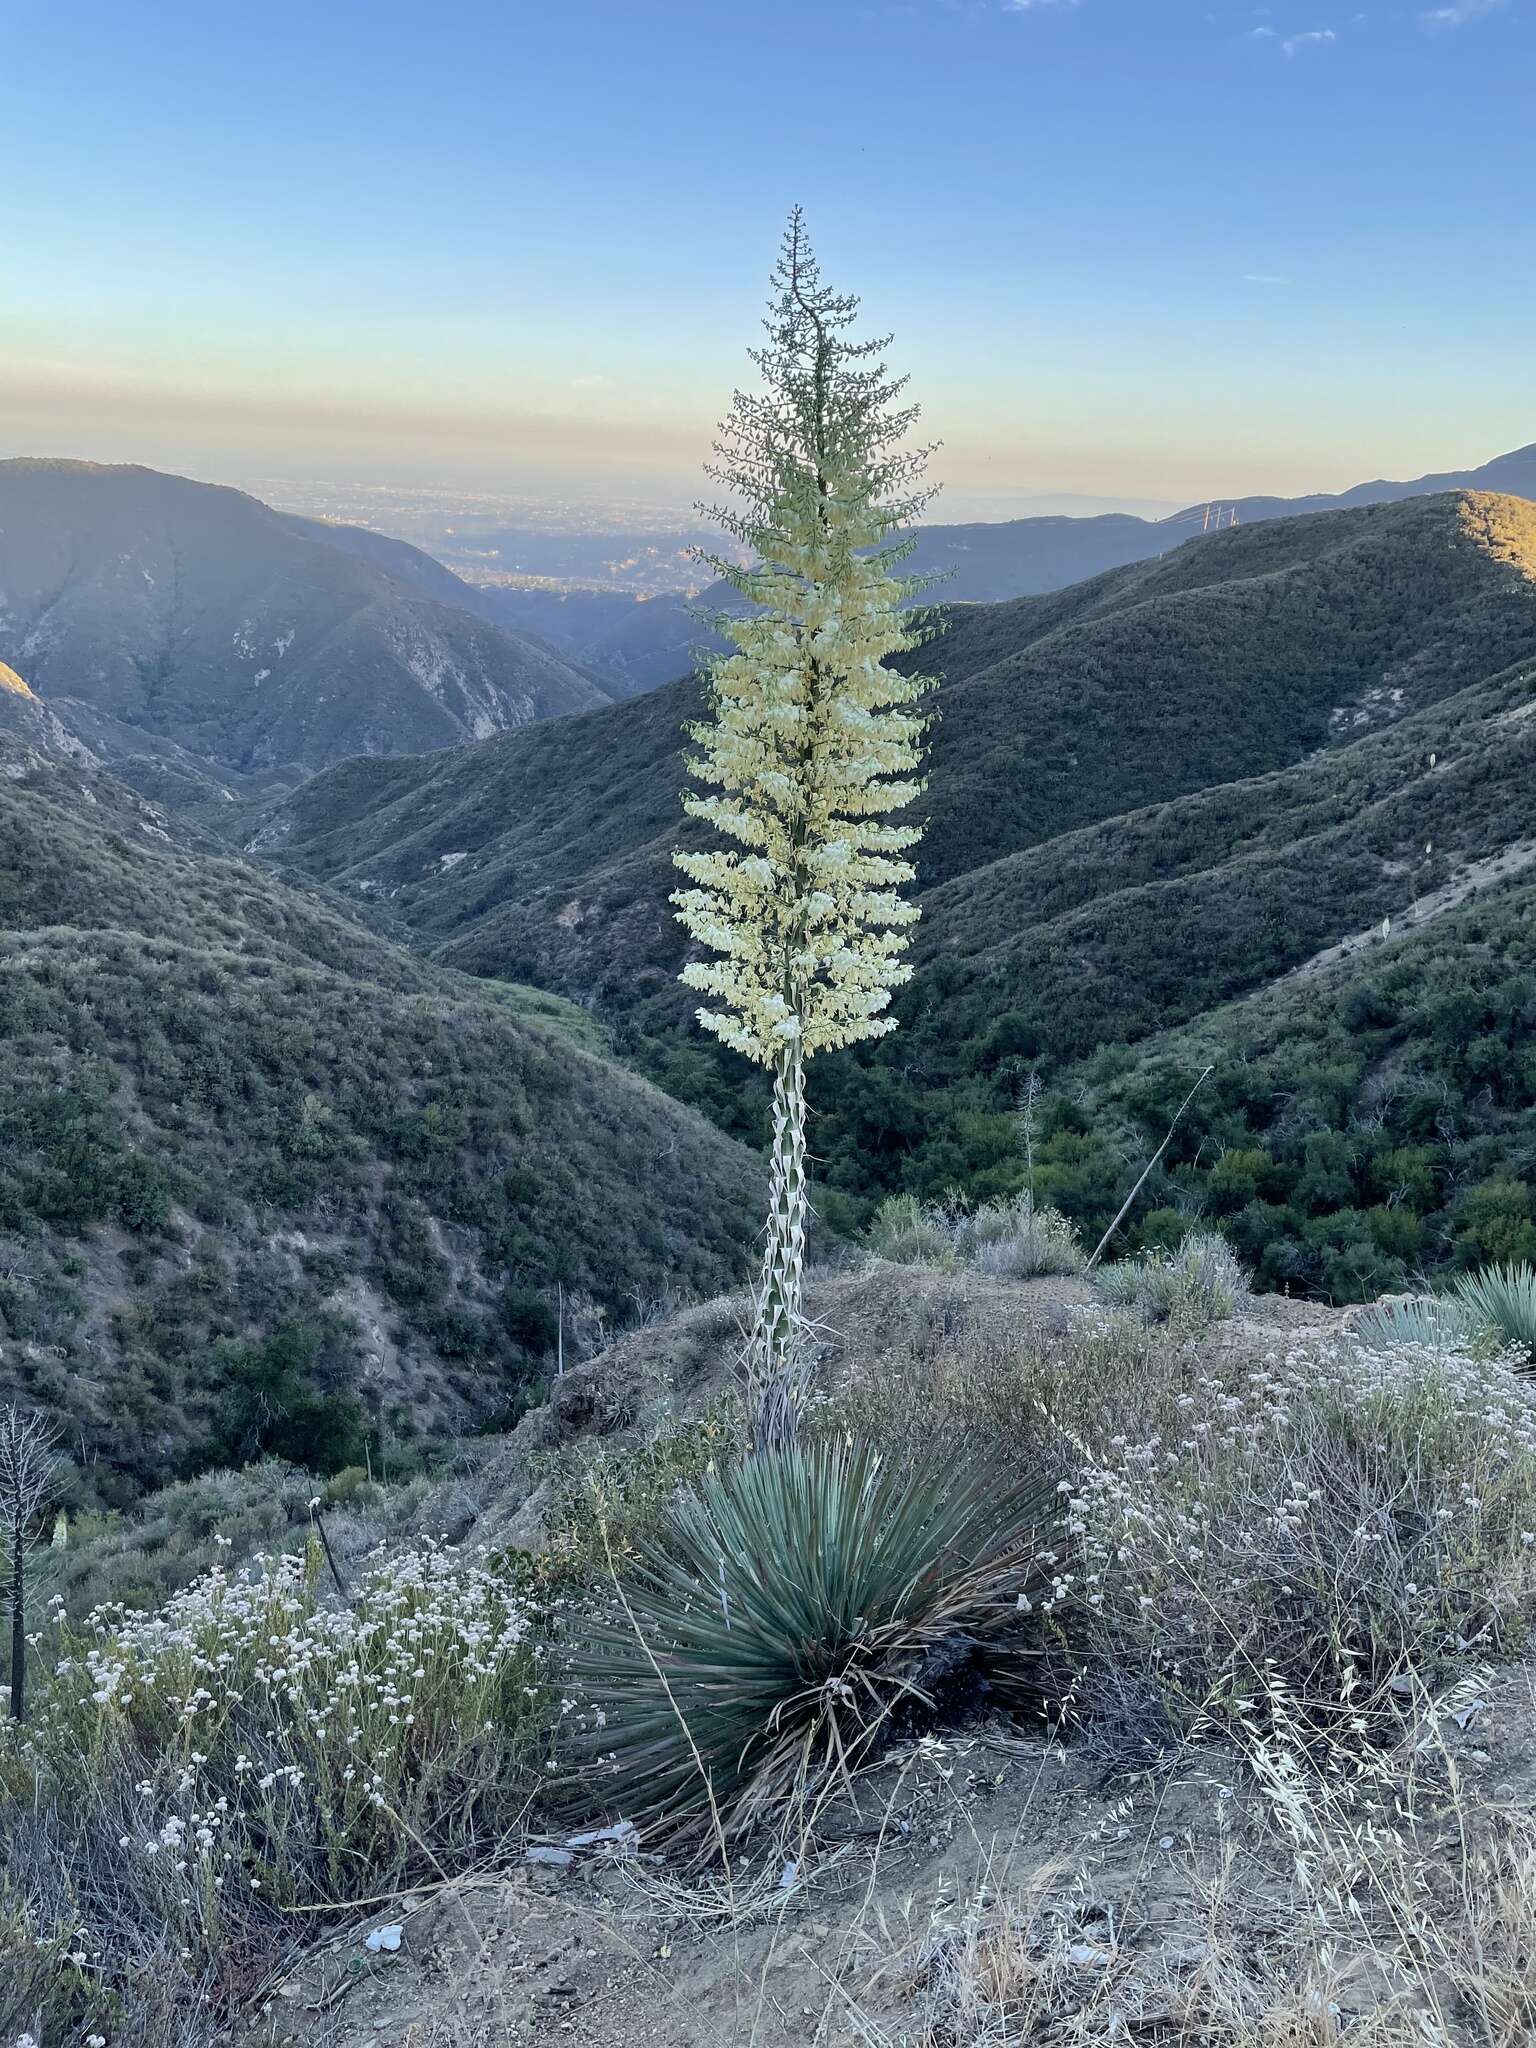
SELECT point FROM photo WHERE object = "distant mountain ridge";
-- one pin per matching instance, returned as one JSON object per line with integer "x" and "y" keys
{"x": 1512, "y": 475}
{"x": 190, "y": 625}
{"x": 545, "y": 854}
{"x": 632, "y": 647}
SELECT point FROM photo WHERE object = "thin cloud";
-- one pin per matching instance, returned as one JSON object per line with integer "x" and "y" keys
{"x": 1459, "y": 13}
{"x": 1026, "y": 6}
{"x": 1263, "y": 277}
{"x": 1308, "y": 39}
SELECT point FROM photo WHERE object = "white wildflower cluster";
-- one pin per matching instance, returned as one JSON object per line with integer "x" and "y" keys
{"x": 276, "y": 1728}
{"x": 1363, "y": 1512}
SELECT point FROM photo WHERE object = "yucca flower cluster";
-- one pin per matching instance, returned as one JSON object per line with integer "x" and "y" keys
{"x": 813, "y": 745}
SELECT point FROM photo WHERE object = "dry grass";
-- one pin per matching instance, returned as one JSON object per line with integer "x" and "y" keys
{"x": 1008, "y": 1240}
{"x": 1340, "y": 1518}
{"x": 1377, "y": 1902}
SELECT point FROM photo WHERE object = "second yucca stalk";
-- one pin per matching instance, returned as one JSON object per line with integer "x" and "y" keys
{"x": 812, "y": 745}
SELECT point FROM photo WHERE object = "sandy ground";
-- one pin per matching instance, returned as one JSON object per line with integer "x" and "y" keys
{"x": 633, "y": 1953}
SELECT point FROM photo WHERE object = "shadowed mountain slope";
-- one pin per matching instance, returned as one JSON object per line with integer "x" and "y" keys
{"x": 1144, "y": 729}
{"x": 161, "y": 618}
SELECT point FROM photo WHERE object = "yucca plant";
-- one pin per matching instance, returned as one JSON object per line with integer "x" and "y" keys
{"x": 1421, "y": 1322}
{"x": 1501, "y": 1300}
{"x": 811, "y": 754}
{"x": 787, "y": 1611}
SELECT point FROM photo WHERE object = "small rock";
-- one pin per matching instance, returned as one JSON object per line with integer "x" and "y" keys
{"x": 621, "y": 1831}
{"x": 1087, "y": 1955}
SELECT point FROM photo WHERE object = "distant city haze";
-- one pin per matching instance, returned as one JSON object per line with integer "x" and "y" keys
{"x": 1135, "y": 253}
{"x": 584, "y": 539}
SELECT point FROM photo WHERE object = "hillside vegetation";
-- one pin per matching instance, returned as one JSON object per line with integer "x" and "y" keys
{"x": 270, "y": 1181}
{"x": 1153, "y": 795}
{"x": 1109, "y": 1651}
{"x": 1099, "y": 1770}
{"x": 1361, "y": 1124}
{"x": 1241, "y": 654}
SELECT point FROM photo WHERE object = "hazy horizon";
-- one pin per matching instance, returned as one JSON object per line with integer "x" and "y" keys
{"x": 1132, "y": 253}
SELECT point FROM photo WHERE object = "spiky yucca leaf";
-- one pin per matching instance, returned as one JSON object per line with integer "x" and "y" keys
{"x": 1502, "y": 1300}
{"x": 1429, "y": 1322}
{"x": 783, "y": 1614}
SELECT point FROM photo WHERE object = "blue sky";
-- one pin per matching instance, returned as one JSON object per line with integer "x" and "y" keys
{"x": 1147, "y": 249}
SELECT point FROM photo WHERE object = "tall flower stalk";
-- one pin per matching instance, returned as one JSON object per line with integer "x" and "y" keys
{"x": 812, "y": 745}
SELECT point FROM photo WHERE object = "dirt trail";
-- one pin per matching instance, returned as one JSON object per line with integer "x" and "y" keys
{"x": 622, "y": 1955}
{"x": 1477, "y": 874}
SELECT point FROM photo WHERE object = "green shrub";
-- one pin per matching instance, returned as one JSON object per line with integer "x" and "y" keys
{"x": 1016, "y": 1241}
{"x": 1190, "y": 1288}
{"x": 529, "y": 1321}
{"x": 910, "y": 1232}
{"x": 606, "y": 1503}
{"x": 1012, "y": 1239}
{"x": 278, "y": 1407}
{"x": 782, "y": 1615}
